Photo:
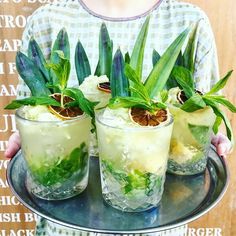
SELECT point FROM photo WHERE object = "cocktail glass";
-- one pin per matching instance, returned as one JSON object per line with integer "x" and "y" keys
{"x": 56, "y": 155}
{"x": 92, "y": 93}
{"x": 133, "y": 163}
{"x": 190, "y": 142}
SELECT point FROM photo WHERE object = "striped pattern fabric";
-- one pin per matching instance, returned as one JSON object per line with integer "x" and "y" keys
{"x": 168, "y": 20}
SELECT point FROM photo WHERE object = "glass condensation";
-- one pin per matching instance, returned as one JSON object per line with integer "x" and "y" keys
{"x": 56, "y": 154}
{"x": 133, "y": 163}
{"x": 190, "y": 142}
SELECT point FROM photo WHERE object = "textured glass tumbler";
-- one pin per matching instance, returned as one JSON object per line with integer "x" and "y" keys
{"x": 56, "y": 154}
{"x": 133, "y": 163}
{"x": 190, "y": 142}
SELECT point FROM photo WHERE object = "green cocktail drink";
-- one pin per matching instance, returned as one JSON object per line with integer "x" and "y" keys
{"x": 190, "y": 142}
{"x": 55, "y": 151}
{"x": 133, "y": 160}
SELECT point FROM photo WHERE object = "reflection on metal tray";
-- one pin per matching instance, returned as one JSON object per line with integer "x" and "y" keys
{"x": 184, "y": 200}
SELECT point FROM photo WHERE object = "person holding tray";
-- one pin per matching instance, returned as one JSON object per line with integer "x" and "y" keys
{"x": 82, "y": 20}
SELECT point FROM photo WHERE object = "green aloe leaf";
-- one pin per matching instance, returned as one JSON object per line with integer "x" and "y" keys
{"x": 31, "y": 75}
{"x": 105, "y": 52}
{"x": 162, "y": 70}
{"x": 136, "y": 60}
{"x": 155, "y": 57}
{"x": 82, "y": 65}
{"x": 36, "y": 55}
{"x": 194, "y": 103}
{"x": 220, "y": 84}
{"x": 184, "y": 77}
{"x": 118, "y": 80}
{"x": 33, "y": 101}
{"x": 189, "y": 53}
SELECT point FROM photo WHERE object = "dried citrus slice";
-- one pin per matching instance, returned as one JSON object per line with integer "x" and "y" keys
{"x": 64, "y": 113}
{"x": 105, "y": 87}
{"x": 182, "y": 98}
{"x": 145, "y": 118}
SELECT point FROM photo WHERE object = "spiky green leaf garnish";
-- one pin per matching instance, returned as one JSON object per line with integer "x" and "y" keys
{"x": 105, "y": 53}
{"x": 82, "y": 65}
{"x": 145, "y": 95}
{"x": 31, "y": 68}
{"x": 162, "y": 70}
{"x": 118, "y": 81}
{"x": 136, "y": 59}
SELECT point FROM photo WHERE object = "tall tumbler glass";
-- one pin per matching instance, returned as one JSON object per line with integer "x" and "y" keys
{"x": 56, "y": 155}
{"x": 133, "y": 163}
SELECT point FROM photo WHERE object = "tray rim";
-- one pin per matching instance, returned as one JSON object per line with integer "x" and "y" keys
{"x": 185, "y": 220}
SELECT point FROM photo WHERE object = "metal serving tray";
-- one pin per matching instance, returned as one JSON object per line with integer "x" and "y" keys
{"x": 185, "y": 199}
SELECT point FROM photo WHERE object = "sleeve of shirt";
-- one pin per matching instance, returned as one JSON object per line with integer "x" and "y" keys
{"x": 206, "y": 63}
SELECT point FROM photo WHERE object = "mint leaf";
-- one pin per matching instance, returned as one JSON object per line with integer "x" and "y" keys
{"x": 127, "y": 102}
{"x": 62, "y": 70}
{"x": 222, "y": 115}
{"x": 200, "y": 132}
{"x": 185, "y": 78}
{"x": 220, "y": 84}
{"x": 32, "y": 101}
{"x": 194, "y": 103}
{"x": 221, "y": 100}
{"x": 217, "y": 124}
{"x": 137, "y": 86}
{"x": 81, "y": 101}
{"x": 76, "y": 162}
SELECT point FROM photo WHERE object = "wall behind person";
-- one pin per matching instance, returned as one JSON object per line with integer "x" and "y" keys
{"x": 16, "y": 219}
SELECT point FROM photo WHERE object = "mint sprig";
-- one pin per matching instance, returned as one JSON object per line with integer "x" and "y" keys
{"x": 81, "y": 101}
{"x": 197, "y": 101}
{"x": 33, "y": 101}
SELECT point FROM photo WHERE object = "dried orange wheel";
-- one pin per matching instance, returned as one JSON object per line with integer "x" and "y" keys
{"x": 64, "y": 113}
{"x": 145, "y": 118}
{"x": 105, "y": 87}
{"x": 181, "y": 97}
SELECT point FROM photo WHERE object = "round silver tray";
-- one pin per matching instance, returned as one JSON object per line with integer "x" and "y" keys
{"x": 184, "y": 200}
